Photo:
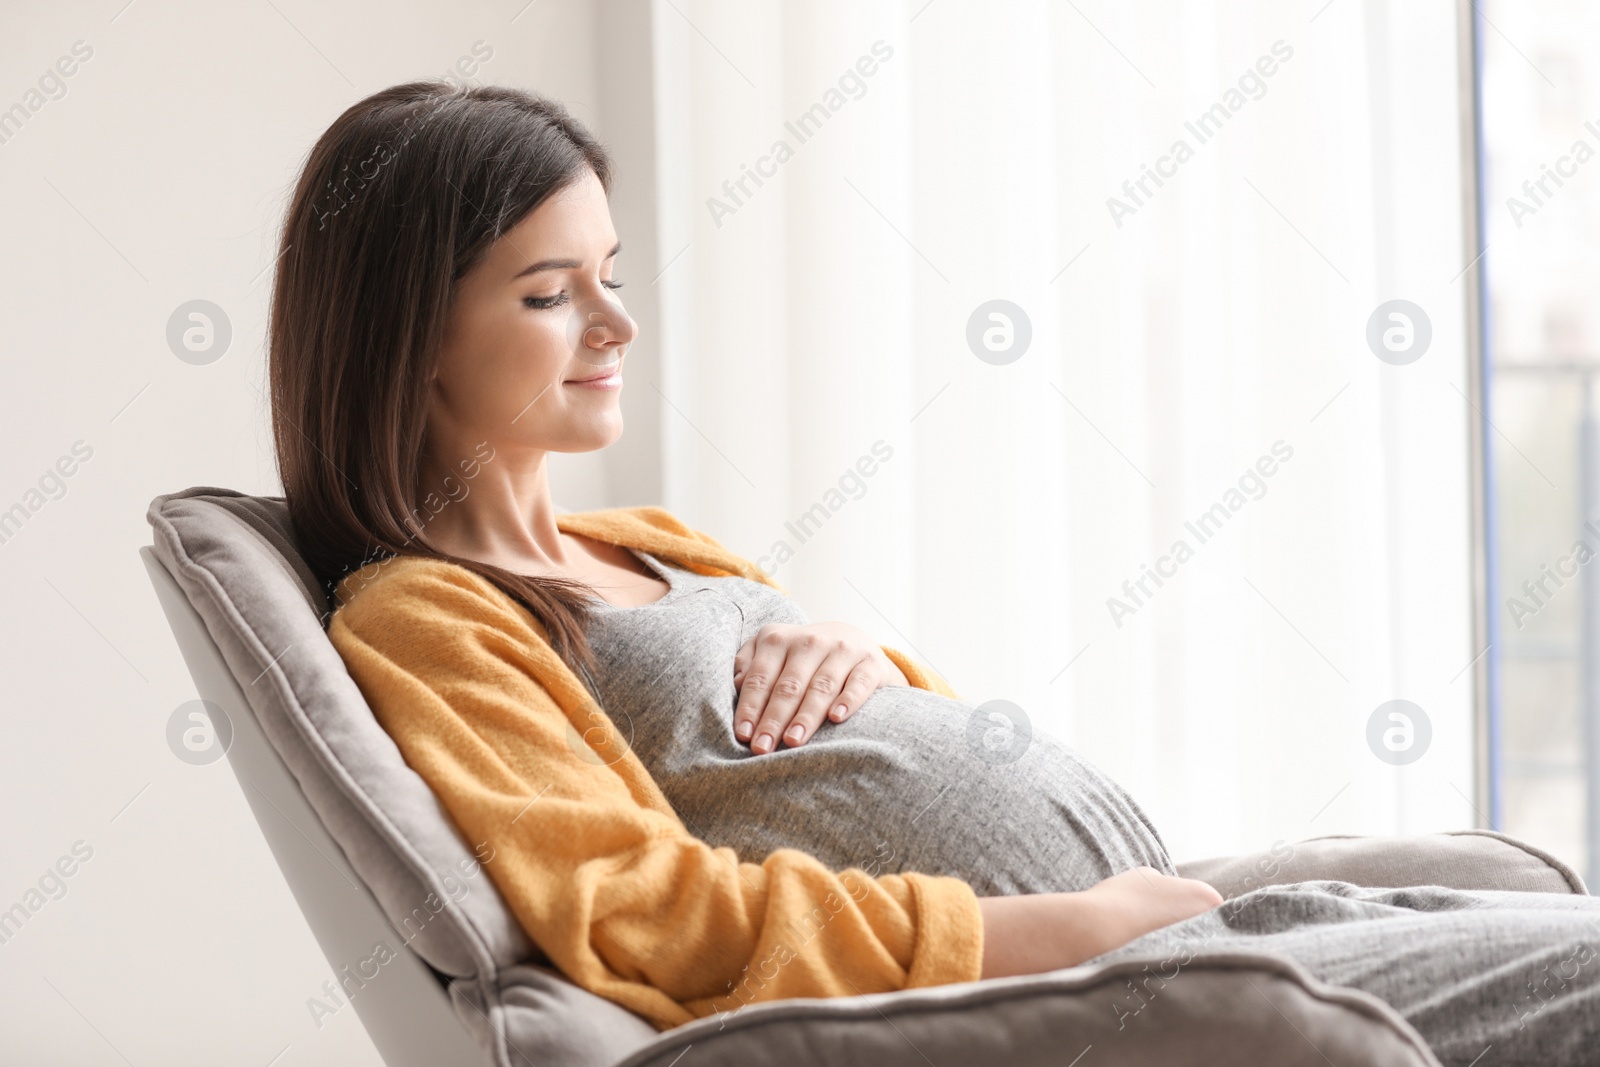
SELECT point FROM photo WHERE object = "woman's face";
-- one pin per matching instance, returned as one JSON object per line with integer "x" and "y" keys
{"x": 534, "y": 319}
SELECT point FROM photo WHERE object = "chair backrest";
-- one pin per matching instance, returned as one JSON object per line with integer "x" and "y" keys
{"x": 412, "y": 1022}
{"x": 371, "y": 855}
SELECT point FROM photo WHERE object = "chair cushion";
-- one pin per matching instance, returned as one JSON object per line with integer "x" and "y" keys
{"x": 1458, "y": 859}
{"x": 1209, "y": 1010}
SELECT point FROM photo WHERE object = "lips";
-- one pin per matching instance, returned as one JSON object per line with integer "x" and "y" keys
{"x": 613, "y": 371}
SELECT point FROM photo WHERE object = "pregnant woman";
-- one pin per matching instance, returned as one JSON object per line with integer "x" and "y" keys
{"x": 692, "y": 797}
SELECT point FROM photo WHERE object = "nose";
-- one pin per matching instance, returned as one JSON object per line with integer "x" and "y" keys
{"x": 603, "y": 326}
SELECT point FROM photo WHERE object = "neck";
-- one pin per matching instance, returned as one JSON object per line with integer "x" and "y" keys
{"x": 497, "y": 507}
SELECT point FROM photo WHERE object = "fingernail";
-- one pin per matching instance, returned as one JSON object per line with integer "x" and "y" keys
{"x": 763, "y": 743}
{"x": 838, "y": 712}
{"x": 743, "y": 731}
{"x": 796, "y": 734}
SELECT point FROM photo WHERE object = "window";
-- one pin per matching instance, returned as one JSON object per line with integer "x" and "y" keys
{"x": 1540, "y": 91}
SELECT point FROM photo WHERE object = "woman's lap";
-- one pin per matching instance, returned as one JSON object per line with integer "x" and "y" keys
{"x": 1516, "y": 974}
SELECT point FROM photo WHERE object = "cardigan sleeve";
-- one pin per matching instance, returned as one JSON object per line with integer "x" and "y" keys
{"x": 919, "y": 676}
{"x": 586, "y": 850}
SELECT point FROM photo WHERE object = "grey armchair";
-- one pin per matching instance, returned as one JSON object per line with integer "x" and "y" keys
{"x": 440, "y": 972}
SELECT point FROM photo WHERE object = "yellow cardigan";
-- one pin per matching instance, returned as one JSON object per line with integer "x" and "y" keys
{"x": 579, "y": 839}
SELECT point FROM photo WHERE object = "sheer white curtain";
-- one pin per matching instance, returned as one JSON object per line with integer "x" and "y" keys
{"x": 823, "y": 410}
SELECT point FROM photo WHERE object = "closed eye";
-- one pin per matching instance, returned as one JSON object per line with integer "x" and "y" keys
{"x": 545, "y": 302}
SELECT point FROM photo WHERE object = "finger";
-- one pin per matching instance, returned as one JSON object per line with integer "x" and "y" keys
{"x": 741, "y": 659}
{"x": 805, "y": 654}
{"x": 766, "y": 660}
{"x": 822, "y": 692}
{"x": 861, "y": 684}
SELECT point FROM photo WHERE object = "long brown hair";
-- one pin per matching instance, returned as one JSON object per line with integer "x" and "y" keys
{"x": 397, "y": 201}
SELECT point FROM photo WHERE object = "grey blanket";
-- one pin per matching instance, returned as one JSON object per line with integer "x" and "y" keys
{"x": 1487, "y": 978}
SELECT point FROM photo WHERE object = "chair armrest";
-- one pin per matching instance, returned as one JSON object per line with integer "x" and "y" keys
{"x": 1457, "y": 859}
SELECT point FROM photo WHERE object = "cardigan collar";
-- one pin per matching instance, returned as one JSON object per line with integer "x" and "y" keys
{"x": 654, "y": 530}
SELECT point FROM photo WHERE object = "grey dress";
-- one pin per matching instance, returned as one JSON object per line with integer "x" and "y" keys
{"x": 918, "y": 781}
{"x": 914, "y": 781}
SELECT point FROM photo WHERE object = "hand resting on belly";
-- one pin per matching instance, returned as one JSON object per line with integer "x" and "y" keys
{"x": 790, "y": 677}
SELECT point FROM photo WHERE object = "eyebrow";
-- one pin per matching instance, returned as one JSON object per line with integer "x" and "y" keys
{"x": 559, "y": 264}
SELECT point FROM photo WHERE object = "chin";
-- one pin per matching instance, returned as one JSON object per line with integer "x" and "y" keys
{"x": 596, "y": 437}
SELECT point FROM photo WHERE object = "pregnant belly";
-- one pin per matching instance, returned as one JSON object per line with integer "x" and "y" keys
{"x": 910, "y": 784}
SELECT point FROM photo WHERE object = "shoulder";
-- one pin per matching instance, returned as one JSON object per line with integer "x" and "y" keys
{"x": 642, "y": 519}
{"x": 413, "y": 594}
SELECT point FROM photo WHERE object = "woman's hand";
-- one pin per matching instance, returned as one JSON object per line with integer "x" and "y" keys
{"x": 790, "y": 677}
{"x": 1048, "y": 931}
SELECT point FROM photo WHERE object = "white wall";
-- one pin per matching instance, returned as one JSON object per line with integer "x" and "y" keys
{"x": 161, "y": 177}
